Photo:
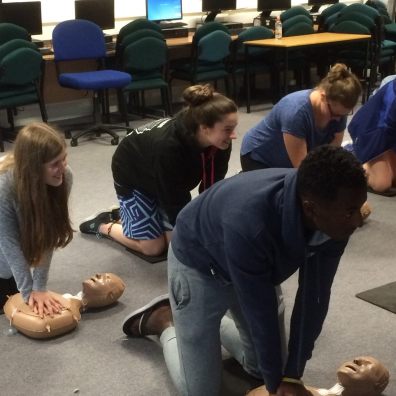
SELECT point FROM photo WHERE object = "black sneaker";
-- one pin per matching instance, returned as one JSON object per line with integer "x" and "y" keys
{"x": 91, "y": 224}
{"x": 115, "y": 213}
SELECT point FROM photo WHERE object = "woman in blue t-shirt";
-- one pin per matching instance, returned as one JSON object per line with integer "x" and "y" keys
{"x": 302, "y": 121}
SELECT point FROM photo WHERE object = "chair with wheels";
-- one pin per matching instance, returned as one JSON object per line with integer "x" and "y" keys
{"x": 21, "y": 66}
{"x": 81, "y": 40}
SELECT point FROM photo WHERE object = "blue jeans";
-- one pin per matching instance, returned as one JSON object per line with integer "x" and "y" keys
{"x": 199, "y": 305}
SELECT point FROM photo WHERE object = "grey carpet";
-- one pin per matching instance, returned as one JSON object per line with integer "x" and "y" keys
{"x": 382, "y": 296}
{"x": 98, "y": 360}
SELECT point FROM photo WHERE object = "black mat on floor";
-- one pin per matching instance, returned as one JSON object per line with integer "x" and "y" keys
{"x": 382, "y": 296}
{"x": 150, "y": 259}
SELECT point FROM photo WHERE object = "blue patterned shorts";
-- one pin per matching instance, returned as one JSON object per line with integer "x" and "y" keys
{"x": 141, "y": 217}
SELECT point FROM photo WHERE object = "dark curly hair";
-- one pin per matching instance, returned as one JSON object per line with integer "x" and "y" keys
{"x": 326, "y": 170}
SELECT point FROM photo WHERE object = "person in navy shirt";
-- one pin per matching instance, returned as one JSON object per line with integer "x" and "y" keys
{"x": 231, "y": 248}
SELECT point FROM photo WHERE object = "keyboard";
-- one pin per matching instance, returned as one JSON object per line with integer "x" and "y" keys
{"x": 172, "y": 25}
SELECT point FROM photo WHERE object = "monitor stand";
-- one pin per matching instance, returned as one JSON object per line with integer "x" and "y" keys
{"x": 315, "y": 9}
{"x": 211, "y": 16}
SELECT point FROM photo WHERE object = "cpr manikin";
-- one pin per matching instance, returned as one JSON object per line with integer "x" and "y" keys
{"x": 363, "y": 376}
{"x": 98, "y": 291}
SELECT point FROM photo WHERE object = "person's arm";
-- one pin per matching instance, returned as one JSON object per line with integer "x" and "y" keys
{"x": 338, "y": 137}
{"x": 311, "y": 305}
{"x": 296, "y": 148}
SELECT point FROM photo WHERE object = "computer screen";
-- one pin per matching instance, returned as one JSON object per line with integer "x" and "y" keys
{"x": 163, "y": 10}
{"x": 267, "y": 6}
{"x": 316, "y": 4}
{"x": 26, "y": 14}
{"x": 216, "y": 6}
{"x": 100, "y": 12}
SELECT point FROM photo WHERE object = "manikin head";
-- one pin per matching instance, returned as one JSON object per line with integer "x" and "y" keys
{"x": 101, "y": 290}
{"x": 363, "y": 376}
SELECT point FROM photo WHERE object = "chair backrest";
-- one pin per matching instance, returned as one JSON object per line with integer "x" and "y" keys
{"x": 78, "y": 39}
{"x": 293, "y": 11}
{"x": 10, "y": 31}
{"x": 350, "y": 27}
{"x": 381, "y": 8}
{"x": 252, "y": 33}
{"x": 14, "y": 44}
{"x": 134, "y": 36}
{"x": 146, "y": 55}
{"x": 362, "y": 8}
{"x": 20, "y": 67}
{"x": 363, "y": 19}
{"x": 334, "y": 8}
{"x": 290, "y": 22}
{"x": 208, "y": 28}
{"x": 214, "y": 47}
{"x": 299, "y": 29}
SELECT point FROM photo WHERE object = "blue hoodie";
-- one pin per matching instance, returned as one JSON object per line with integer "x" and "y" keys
{"x": 249, "y": 229}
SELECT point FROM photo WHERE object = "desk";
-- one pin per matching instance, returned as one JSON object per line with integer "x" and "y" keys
{"x": 315, "y": 39}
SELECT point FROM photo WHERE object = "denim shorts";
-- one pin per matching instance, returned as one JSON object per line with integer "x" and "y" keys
{"x": 141, "y": 217}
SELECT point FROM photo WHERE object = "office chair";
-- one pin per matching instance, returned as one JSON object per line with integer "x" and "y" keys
{"x": 259, "y": 60}
{"x": 328, "y": 16}
{"x": 210, "y": 51}
{"x": 146, "y": 59}
{"x": 76, "y": 40}
{"x": 21, "y": 67}
{"x": 293, "y": 11}
{"x": 10, "y": 31}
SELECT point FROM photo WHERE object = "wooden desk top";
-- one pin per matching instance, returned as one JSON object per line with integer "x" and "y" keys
{"x": 308, "y": 39}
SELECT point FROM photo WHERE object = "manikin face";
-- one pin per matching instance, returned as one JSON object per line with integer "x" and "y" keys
{"x": 364, "y": 376}
{"x": 339, "y": 218}
{"x": 55, "y": 169}
{"x": 102, "y": 289}
{"x": 222, "y": 132}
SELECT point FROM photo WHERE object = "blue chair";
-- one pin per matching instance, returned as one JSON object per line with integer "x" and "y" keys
{"x": 78, "y": 39}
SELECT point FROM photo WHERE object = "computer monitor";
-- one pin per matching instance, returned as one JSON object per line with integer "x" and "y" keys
{"x": 163, "y": 10}
{"x": 100, "y": 12}
{"x": 26, "y": 14}
{"x": 316, "y": 4}
{"x": 267, "y": 6}
{"x": 214, "y": 7}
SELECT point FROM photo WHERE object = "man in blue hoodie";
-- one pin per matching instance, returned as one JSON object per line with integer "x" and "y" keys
{"x": 231, "y": 248}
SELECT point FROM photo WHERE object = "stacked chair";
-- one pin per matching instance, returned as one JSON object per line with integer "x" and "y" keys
{"x": 22, "y": 69}
{"x": 361, "y": 19}
{"x": 141, "y": 51}
{"x": 297, "y": 21}
{"x": 255, "y": 60}
{"x": 210, "y": 57}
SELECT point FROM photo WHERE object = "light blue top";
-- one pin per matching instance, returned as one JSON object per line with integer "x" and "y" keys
{"x": 12, "y": 260}
{"x": 292, "y": 114}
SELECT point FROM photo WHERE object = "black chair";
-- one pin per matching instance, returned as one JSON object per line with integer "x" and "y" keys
{"x": 79, "y": 39}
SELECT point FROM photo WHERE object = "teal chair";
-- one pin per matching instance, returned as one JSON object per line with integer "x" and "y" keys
{"x": 9, "y": 31}
{"x": 210, "y": 55}
{"x": 328, "y": 16}
{"x": 292, "y": 12}
{"x": 259, "y": 60}
{"x": 290, "y": 23}
{"x": 146, "y": 60}
{"x": 21, "y": 67}
{"x": 135, "y": 26}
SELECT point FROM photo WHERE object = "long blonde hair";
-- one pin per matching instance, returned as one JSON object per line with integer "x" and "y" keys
{"x": 44, "y": 222}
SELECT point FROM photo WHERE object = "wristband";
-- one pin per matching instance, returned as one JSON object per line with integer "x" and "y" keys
{"x": 292, "y": 380}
